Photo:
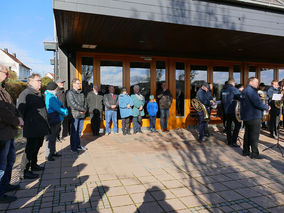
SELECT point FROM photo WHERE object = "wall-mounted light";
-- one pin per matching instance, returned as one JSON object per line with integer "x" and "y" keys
{"x": 89, "y": 46}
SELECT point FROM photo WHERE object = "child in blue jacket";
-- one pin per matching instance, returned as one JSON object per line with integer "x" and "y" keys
{"x": 152, "y": 109}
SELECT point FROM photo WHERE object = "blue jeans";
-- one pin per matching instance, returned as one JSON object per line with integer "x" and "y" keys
{"x": 202, "y": 125}
{"x": 152, "y": 122}
{"x": 76, "y": 129}
{"x": 111, "y": 115}
{"x": 136, "y": 125}
{"x": 7, "y": 160}
{"x": 164, "y": 114}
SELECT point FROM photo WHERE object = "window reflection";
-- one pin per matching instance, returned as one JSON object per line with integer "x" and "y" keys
{"x": 111, "y": 74}
{"x": 180, "y": 88}
{"x": 237, "y": 74}
{"x": 220, "y": 76}
{"x": 266, "y": 75}
{"x": 140, "y": 75}
{"x": 87, "y": 74}
{"x": 198, "y": 75}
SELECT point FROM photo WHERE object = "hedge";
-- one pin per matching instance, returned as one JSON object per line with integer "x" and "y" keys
{"x": 14, "y": 88}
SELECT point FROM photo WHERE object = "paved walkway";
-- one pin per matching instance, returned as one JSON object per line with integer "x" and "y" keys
{"x": 154, "y": 172}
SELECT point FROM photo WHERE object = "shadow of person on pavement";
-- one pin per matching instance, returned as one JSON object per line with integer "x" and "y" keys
{"x": 146, "y": 206}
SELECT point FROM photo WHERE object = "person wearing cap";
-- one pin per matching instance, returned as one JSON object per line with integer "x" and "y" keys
{"x": 61, "y": 94}
{"x": 31, "y": 106}
{"x": 95, "y": 106}
{"x": 55, "y": 112}
{"x": 206, "y": 99}
{"x": 125, "y": 107}
{"x": 152, "y": 109}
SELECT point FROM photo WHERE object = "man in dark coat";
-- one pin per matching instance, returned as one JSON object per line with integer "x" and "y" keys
{"x": 229, "y": 96}
{"x": 165, "y": 102}
{"x": 61, "y": 94}
{"x": 9, "y": 122}
{"x": 251, "y": 114}
{"x": 31, "y": 106}
{"x": 77, "y": 103}
{"x": 95, "y": 106}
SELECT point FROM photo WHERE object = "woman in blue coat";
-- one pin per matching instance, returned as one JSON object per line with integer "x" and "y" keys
{"x": 138, "y": 110}
{"x": 125, "y": 103}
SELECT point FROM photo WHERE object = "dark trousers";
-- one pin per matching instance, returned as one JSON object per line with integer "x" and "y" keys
{"x": 32, "y": 147}
{"x": 63, "y": 129}
{"x": 202, "y": 125}
{"x": 152, "y": 122}
{"x": 95, "y": 123}
{"x": 232, "y": 138}
{"x": 274, "y": 119}
{"x": 125, "y": 125}
{"x": 252, "y": 131}
{"x": 136, "y": 125}
{"x": 50, "y": 147}
{"x": 164, "y": 115}
{"x": 76, "y": 129}
{"x": 7, "y": 160}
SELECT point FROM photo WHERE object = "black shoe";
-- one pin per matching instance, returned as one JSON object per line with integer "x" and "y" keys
{"x": 50, "y": 158}
{"x": 37, "y": 168}
{"x": 234, "y": 145}
{"x": 246, "y": 154}
{"x": 258, "y": 157}
{"x": 30, "y": 175}
{"x": 273, "y": 136}
{"x": 201, "y": 140}
{"x": 10, "y": 187}
{"x": 56, "y": 155}
{"x": 7, "y": 199}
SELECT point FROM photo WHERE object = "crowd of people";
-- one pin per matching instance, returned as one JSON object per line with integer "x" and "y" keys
{"x": 56, "y": 113}
{"x": 258, "y": 109}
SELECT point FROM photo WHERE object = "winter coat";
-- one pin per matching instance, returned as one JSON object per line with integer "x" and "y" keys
{"x": 229, "y": 96}
{"x": 95, "y": 104}
{"x": 152, "y": 108}
{"x": 8, "y": 116}
{"x": 137, "y": 103}
{"x": 204, "y": 97}
{"x": 165, "y": 99}
{"x": 61, "y": 94}
{"x": 77, "y": 103}
{"x": 31, "y": 106}
{"x": 123, "y": 101}
{"x": 55, "y": 108}
{"x": 109, "y": 100}
{"x": 251, "y": 105}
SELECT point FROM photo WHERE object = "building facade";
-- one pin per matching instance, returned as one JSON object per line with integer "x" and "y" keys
{"x": 180, "y": 42}
{"x": 13, "y": 63}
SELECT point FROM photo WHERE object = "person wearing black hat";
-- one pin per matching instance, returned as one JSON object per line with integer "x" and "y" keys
{"x": 206, "y": 99}
{"x": 31, "y": 106}
{"x": 55, "y": 113}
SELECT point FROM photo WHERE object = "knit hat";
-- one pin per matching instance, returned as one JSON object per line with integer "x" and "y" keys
{"x": 51, "y": 86}
{"x": 152, "y": 97}
{"x": 206, "y": 85}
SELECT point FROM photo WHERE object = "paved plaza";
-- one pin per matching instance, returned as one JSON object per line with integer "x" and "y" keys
{"x": 154, "y": 172}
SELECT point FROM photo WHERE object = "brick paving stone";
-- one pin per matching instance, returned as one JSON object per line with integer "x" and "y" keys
{"x": 139, "y": 198}
{"x": 46, "y": 204}
{"x": 162, "y": 194}
{"x": 107, "y": 177}
{"x": 264, "y": 201}
{"x": 247, "y": 192}
{"x": 22, "y": 203}
{"x": 23, "y": 210}
{"x": 217, "y": 187}
{"x": 125, "y": 209}
{"x": 181, "y": 192}
{"x": 147, "y": 179}
{"x": 254, "y": 210}
{"x": 230, "y": 195}
{"x": 150, "y": 207}
{"x": 172, "y": 184}
{"x": 130, "y": 181}
{"x": 278, "y": 209}
{"x": 135, "y": 189}
{"x": 220, "y": 178}
{"x": 172, "y": 205}
{"x": 211, "y": 198}
{"x": 111, "y": 183}
{"x": 233, "y": 184}
{"x": 119, "y": 190}
{"x": 122, "y": 200}
{"x": 192, "y": 201}
{"x": 58, "y": 208}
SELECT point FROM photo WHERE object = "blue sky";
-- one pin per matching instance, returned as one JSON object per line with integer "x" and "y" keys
{"x": 24, "y": 25}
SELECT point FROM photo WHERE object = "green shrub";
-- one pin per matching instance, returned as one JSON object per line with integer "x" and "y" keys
{"x": 14, "y": 88}
{"x": 44, "y": 81}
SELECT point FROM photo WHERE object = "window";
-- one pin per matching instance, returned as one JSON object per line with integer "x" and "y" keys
{"x": 220, "y": 76}
{"x": 180, "y": 88}
{"x": 111, "y": 74}
{"x": 160, "y": 75}
{"x": 198, "y": 75}
{"x": 252, "y": 71}
{"x": 281, "y": 74}
{"x": 140, "y": 75}
{"x": 237, "y": 74}
{"x": 87, "y": 74}
{"x": 266, "y": 76}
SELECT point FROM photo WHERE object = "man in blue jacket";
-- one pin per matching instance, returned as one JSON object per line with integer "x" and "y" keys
{"x": 204, "y": 96}
{"x": 251, "y": 113}
{"x": 274, "y": 113}
{"x": 229, "y": 96}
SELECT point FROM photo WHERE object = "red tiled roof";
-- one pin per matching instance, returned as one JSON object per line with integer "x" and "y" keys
{"x": 15, "y": 59}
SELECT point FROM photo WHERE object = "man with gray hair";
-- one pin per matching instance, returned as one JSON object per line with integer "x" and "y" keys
{"x": 9, "y": 122}
{"x": 95, "y": 106}
{"x": 31, "y": 106}
{"x": 111, "y": 104}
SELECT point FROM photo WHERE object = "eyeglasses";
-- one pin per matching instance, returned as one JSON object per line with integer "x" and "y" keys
{"x": 37, "y": 80}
